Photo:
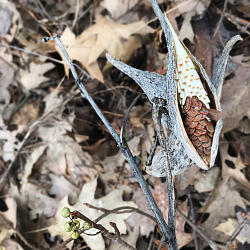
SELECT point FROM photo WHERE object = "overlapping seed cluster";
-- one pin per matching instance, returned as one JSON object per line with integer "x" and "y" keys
{"x": 198, "y": 125}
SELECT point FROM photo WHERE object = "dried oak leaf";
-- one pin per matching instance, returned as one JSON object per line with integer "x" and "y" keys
{"x": 221, "y": 207}
{"x": 235, "y": 99}
{"x": 33, "y": 77}
{"x": 111, "y": 164}
{"x": 131, "y": 238}
{"x": 235, "y": 173}
{"x": 161, "y": 197}
{"x": 230, "y": 225}
{"x": 9, "y": 244}
{"x": 110, "y": 201}
{"x": 143, "y": 223}
{"x": 205, "y": 182}
{"x": 118, "y": 8}
{"x": 62, "y": 151}
{"x": 101, "y": 37}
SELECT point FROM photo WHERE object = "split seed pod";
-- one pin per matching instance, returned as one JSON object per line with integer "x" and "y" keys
{"x": 183, "y": 148}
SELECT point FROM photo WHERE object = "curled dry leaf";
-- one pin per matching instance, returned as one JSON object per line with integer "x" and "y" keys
{"x": 184, "y": 75}
{"x": 105, "y": 35}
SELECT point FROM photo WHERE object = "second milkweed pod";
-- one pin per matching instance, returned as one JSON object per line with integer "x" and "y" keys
{"x": 181, "y": 151}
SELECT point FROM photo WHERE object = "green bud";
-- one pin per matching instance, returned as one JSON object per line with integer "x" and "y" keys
{"x": 68, "y": 226}
{"x": 65, "y": 212}
{"x": 86, "y": 226}
{"x": 75, "y": 234}
{"x": 77, "y": 224}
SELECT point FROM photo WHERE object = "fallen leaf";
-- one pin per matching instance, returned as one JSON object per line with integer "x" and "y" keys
{"x": 241, "y": 215}
{"x": 31, "y": 160}
{"x": 205, "y": 182}
{"x": 186, "y": 178}
{"x": 196, "y": 7}
{"x": 236, "y": 172}
{"x": 111, "y": 164}
{"x": 4, "y": 233}
{"x": 118, "y": 8}
{"x": 61, "y": 187}
{"x": 11, "y": 213}
{"x": 143, "y": 223}
{"x": 38, "y": 201}
{"x": 130, "y": 238}
{"x": 9, "y": 244}
{"x": 220, "y": 208}
{"x": 27, "y": 114}
{"x": 11, "y": 21}
{"x": 105, "y": 35}
{"x": 161, "y": 197}
{"x": 228, "y": 228}
{"x": 10, "y": 141}
{"x": 62, "y": 149}
{"x": 186, "y": 30}
{"x": 235, "y": 99}
{"x": 111, "y": 200}
{"x": 6, "y": 78}
{"x": 33, "y": 77}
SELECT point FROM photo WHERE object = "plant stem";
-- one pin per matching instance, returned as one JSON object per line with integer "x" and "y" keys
{"x": 165, "y": 229}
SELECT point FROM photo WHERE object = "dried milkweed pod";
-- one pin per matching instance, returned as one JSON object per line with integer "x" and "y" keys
{"x": 192, "y": 101}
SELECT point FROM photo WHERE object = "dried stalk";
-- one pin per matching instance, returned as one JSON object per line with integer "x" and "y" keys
{"x": 103, "y": 230}
{"x": 165, "y": 229}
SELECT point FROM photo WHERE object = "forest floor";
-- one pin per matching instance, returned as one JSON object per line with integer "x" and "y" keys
{"x": 55, "y": 151}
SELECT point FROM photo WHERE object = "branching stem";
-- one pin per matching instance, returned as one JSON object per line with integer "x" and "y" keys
{"x": 165, "y": 229}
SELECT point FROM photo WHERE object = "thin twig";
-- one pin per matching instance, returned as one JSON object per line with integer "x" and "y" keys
{"x": 117, "y": 210}
{"x": 152, "y": 152}
{"x": 9, "y": 225}
{"x": 193, "y": 220}
{"x": 166, "y": 231}
{"x": 125, "y": 118}
{"x": 102, "y": 229}
{"x": 221, "y": 18}
{"x": 236, "y": 233}
{"x": 209, "y": 241}
{"x": 161, "y": 243}
{"x": 156, "y": 114}
{"x": 32, "y": 128}
{"x": 117, "y": 232}
{"x": 43, "y": 56}
{"x": 76, "y": 14}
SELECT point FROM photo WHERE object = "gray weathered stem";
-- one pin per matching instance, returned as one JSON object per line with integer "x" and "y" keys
{"x": 166, "y": 231}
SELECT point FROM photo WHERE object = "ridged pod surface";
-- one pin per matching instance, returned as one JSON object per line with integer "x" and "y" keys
{"x": 181, "y": 119}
